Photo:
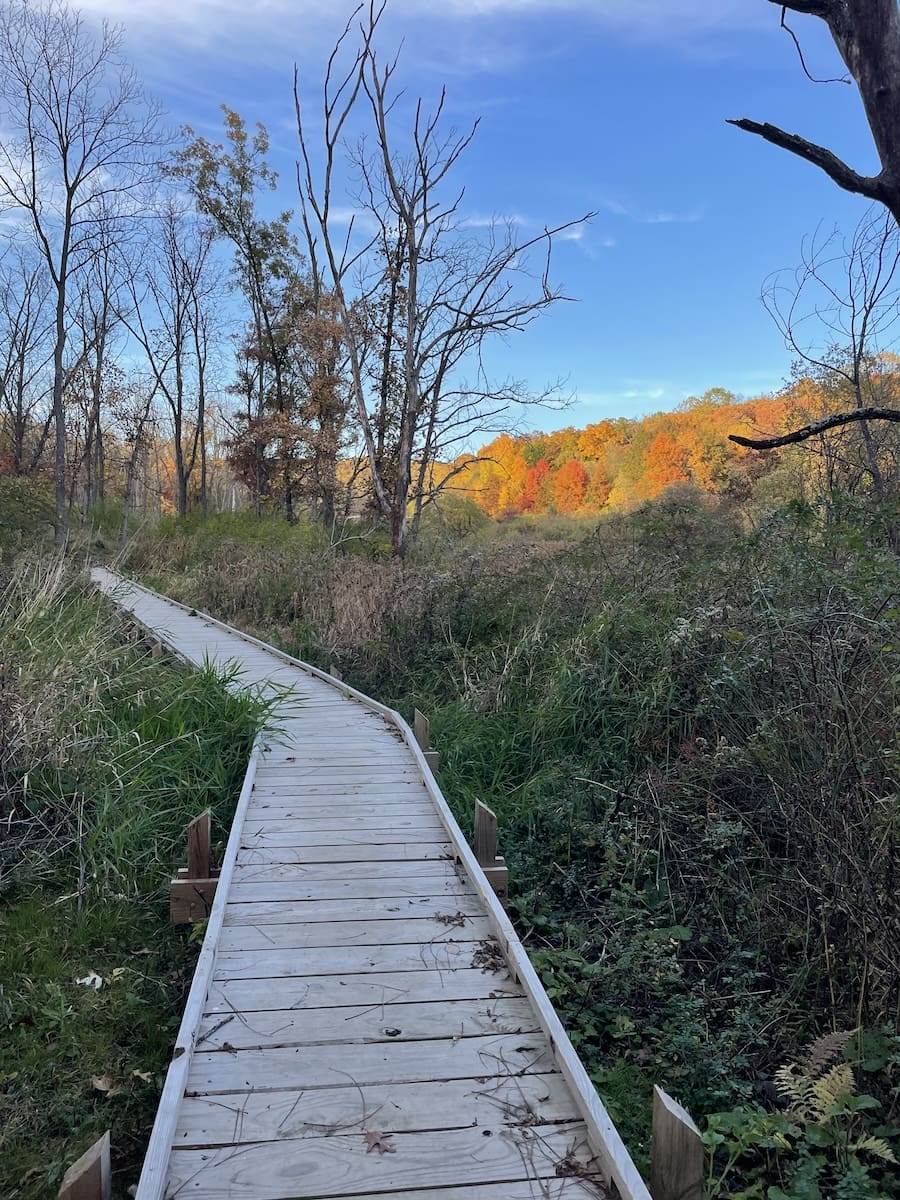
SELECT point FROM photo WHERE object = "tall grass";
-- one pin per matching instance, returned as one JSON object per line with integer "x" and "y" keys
{"x": 107, "y": 754}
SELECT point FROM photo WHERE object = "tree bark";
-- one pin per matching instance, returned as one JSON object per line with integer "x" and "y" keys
{"x": 867, "y": 36}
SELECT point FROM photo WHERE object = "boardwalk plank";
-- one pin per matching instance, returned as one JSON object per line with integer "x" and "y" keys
{"x": 376, "y": 987}
{"x": 341, "y": 1166}
{"x": 218, "y": 1071}
{"x": 447, "y": 1020}
{"x": 277, "y": 963}
{"x": 388, "y": 908}
{"x": 394, "y": 1107}
{"x": 416, "y": 932}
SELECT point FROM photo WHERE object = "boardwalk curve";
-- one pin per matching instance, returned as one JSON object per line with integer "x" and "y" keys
{"x": 363, "y": 1020}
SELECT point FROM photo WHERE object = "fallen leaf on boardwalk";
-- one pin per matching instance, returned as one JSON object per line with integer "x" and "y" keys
{"x": 380, "y": 1142}
{"x": 106, "y": 1084}
{"x": 92, "y": 980}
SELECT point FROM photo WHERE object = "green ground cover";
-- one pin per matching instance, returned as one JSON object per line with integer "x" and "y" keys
{"x": 105, "y": 755}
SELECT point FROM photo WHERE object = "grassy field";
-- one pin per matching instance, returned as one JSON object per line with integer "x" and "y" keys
{"x": 106, "y": 755}
{"x": 687, "y": 727}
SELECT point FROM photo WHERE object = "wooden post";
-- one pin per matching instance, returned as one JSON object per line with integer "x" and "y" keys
{"x": 90, "y": 1178}
{"x": 191, "y": 893}
{"x": 422, "y": 730}
{"x": 493, "y": 865}
{"x": 198, "y": 847}
{"x": 677, "y": 1156}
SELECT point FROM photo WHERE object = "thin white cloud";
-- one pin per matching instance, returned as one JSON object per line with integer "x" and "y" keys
{"x": 665, "y": 217}
{"x": 207, "y": 21}
{"x": 646, "y": 216}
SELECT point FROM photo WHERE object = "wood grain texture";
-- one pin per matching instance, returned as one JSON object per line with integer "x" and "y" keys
{"x": 276, "y": 963}
{"x": 444, "y": 1020}
{"x": 346, "y": 911}
{"x": 333, "y": 1065}
{"x": 341, "y": 1166}
{"x": 423, "y": 931}
{"x": 394, "y": 1107}
{"x": 377, "y": 987}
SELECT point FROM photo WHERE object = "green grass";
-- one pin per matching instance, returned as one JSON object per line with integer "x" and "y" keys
{"x": 108, "y": 754}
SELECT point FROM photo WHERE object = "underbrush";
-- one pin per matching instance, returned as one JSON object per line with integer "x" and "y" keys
{"x": 105, "y": 755}
{"x": 688, "y": 731}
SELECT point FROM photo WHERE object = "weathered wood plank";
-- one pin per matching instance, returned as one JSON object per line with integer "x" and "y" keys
{"x": 334, "y": 1064}
{"x": 413, "y": 788}
{"x": 389, "y": 872}
{"x": 557, "y": 1188}
{"x": 447, "y": 1020}
{"x": 394, "y": 1108}
{"x": 277, "y": 963}
{"x": 361, "y": 814}
{"x": 341, "y": 1166}
{"x": 416, "y": 932}
{"x": 377, "y": 987}
{"x": 363, "y": 886}
{"x": 363, "y": 831}
{"x": 260, "y": 853}
{"x": 386, "y": 908}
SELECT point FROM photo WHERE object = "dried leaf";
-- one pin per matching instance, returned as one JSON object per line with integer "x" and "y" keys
{"x": 380, "y": 1142}
{"x": 91, "y": 980}
{"x": 145, "y": 1075}
{"x": 106, "y": 1084}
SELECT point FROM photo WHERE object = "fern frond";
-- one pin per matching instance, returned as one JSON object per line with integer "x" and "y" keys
{"x": 877, "y": 1146}
{"x": 796, "y": 1089}
{"x": 824, "y": 1050}
{"x": 834, "y": 1085}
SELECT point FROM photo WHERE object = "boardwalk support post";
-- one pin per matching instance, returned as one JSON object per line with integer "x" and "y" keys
{"x": 677, "y": 1157}
{"x": 90, "y": 1178}
{"x": 422, "y": 730}
{"x": 490, "y": 862}
{"x": 191, "y": 893}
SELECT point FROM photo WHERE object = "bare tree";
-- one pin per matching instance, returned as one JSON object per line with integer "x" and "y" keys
{"x": 97, "y": 319}
{"x": 25, "y": 328}
{"x": 170, "y": 318}
{"x": 78, "y": 136}
{"x": 867, "y": 36}
{"x": 839, "y": 313}
{"x": 420, "y": 295}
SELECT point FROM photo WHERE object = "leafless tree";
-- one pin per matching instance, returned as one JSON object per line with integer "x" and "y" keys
{"x": 867, "y": 36}
{"x": 170, "y": 316}
{"x": 102, "y": 290}
{"x": 839, "y": 313}
{"x": 79, "y": 139}
{"x": 418, "y": 293}
{"x": 25, "y": 355}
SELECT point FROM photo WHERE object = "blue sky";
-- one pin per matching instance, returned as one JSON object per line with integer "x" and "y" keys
{"x": 612, "y": 105}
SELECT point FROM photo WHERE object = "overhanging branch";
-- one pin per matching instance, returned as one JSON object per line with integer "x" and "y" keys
{"x": 834, "y": 167}
{"x": 812, "y": 8}
{"x": 800, "y": 435}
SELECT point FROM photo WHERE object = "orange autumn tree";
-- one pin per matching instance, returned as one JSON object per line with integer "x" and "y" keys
{"x": 570, "y": 486}
{"x": 619, "y": 464}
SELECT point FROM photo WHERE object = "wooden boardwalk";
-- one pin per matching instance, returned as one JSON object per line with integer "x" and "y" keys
{"x": 363, "y": 1021}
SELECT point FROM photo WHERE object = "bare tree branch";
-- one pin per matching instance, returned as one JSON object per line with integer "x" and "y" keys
{"x": 874, "y": 413}
{"x": 843, "y": 175}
